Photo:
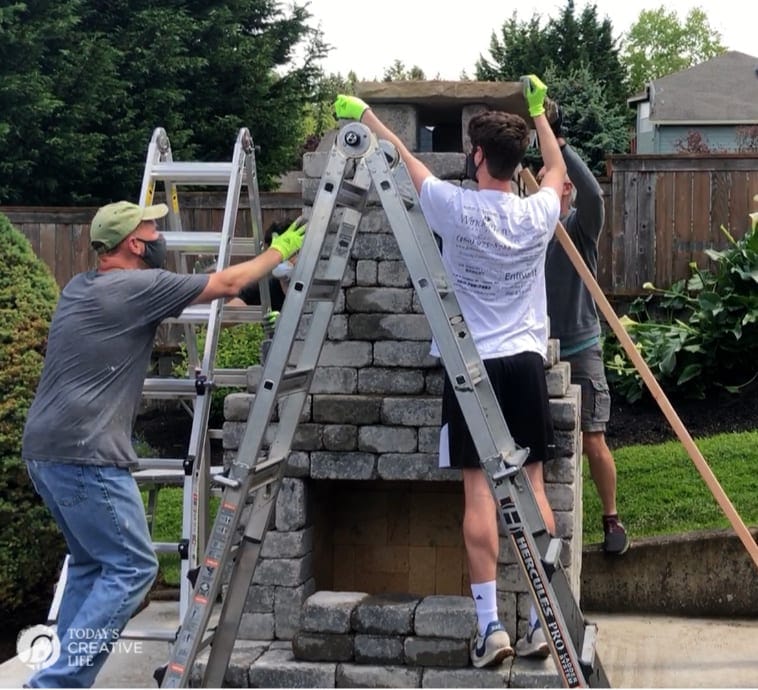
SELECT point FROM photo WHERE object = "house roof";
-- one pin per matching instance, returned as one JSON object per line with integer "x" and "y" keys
{"x": 723, "y": 89}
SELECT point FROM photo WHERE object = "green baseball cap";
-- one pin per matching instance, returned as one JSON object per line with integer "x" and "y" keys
{"x": 113, "y": 222}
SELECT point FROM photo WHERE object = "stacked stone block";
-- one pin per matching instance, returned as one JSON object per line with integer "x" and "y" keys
{"x": 353, "y": 639}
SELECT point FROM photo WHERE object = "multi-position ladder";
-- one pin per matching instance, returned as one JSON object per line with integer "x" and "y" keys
{"x": 193, "y": 471}
{"x": 252, "y": 482}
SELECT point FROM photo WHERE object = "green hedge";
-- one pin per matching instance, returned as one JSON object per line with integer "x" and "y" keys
{"x": 31, "y": 547}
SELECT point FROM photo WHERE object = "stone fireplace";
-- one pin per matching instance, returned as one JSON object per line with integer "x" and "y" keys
{"x": 364, "y": 507}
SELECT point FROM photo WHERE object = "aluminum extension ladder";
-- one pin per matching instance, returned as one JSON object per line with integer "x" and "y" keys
{"x": 253, "y": 480}
{"x": 194, "y": 471}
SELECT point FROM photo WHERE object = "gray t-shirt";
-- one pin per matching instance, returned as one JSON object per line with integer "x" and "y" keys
{"x": 570, "y": 305}
{"x": 98, "y": 354}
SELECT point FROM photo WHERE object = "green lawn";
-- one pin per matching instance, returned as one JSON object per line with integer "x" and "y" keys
{"x": 660, "y": 491}
{"x": 168, "y": 528}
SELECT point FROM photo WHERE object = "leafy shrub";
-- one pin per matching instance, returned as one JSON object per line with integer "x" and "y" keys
{"x": 239, "y": 347}
{"x": 700, "y": 332}
{"x": 31, "y": 547}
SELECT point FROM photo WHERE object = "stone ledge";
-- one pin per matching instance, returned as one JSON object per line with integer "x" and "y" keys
{"x": 273, "y": 665}
{"x": 705, "y": 573}
{"x": 507, "y": 96}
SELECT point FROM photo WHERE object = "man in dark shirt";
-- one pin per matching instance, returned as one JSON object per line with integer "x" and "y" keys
{"x": 574, "y": 321}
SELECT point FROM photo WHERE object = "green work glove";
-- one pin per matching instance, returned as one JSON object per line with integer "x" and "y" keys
{"x": 534, "y": 93}
{"x": 269, "y": 323}
{"x": 349, "y": 107}
{"x": 290, "y": 241}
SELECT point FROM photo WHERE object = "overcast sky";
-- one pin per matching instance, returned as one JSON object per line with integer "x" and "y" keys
{"x": 444, "y": 38}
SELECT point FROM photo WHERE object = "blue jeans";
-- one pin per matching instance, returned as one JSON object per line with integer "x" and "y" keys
{"x": 112, "y": 563}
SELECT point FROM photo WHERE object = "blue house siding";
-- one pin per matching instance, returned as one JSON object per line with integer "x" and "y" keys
{"x": 672, "y": 139}
{"x": 646, "y": 143}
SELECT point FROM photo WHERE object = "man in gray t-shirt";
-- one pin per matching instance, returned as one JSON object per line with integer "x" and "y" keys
{"x": 77, "y": 438}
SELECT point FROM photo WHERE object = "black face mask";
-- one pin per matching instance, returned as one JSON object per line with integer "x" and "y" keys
{"x": 472, "y": 169}
{"x": 155, "y": 252}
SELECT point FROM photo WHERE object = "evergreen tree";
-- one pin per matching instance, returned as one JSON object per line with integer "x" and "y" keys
{"x": 569, "y": 49}
{"x": 83, "y": 84}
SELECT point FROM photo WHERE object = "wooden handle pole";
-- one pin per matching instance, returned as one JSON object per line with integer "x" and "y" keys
{"x": 650, "y": 381}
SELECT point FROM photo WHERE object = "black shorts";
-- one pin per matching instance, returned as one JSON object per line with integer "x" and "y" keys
{"x": 521, "y": 389}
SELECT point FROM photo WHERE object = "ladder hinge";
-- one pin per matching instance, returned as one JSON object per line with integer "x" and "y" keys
{"x": 201, "y": 383}
{"x": 188, "y": 465}
{"x": 183, "y": 549}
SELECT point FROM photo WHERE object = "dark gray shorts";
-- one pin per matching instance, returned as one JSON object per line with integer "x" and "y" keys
{"x": 588, "y": 371}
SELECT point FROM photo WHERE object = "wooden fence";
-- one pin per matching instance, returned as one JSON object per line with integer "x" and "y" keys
{"x": 662, "y": 212}
{"x": 60, "y": 236}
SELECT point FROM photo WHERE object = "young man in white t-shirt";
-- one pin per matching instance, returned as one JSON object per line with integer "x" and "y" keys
{"x": 493, "y": 246}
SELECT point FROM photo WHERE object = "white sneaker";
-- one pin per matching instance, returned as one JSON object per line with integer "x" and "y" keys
{"x": 491, "y": 648}
{"x": 533, "y": 643}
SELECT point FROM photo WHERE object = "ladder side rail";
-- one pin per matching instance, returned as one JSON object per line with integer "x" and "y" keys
{"x": 227, "y": 234}
{"x": 202, "y": 490}
{"x": 233, "y": 605}
{"x": 557, "y": 607}
{"x": 195, "y": 621}
{"x": 291, "y": 405}
{"x": 159, "y": 151}
{"x": 290, "y": 320}
{"x": 241, "y": 474}
{"x": 153, "y": 157}
{"x": 478, "y": 407}
{"x": 197, "y": 465}
{"x": 256, "y": 213}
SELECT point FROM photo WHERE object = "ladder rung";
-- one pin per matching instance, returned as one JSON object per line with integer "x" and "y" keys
{"x": 168, "y": 476}
{"x": 589, "y": 645}
{"x": 173, "y": 477}
{"x": 294, "y": 381}
{"x": 145, "y": 465}
{"x": 325, "y": 290}
{"x": 267, "y": 463}
{"x": 165, "y": 547}
{"x": 200, "y": 313}
{"x": 147, "y": 634}
{"x": 230, "y": 378}
{"x": 170, "y": 388}
{"x": 192, "y": 172}
{"x": 166, "y": 387}
{"x": 553, "y": 553}
{"x": 223, "y": 480}
{"x": 203, "y": 242}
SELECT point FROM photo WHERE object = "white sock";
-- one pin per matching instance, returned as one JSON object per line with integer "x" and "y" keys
{"x": 485, "y": 600}
{"x": 534, "y": 621}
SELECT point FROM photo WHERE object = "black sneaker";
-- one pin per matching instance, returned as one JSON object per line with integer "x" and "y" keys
{"x": 615, "y": 542}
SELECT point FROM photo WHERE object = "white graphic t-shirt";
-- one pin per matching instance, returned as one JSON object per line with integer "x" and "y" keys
{"x": 493, "y": 247}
